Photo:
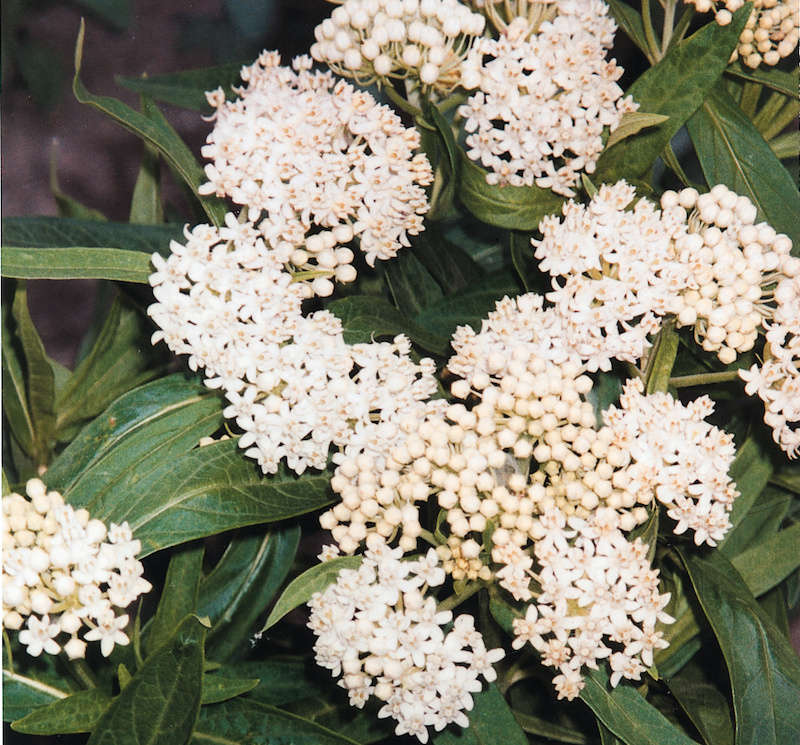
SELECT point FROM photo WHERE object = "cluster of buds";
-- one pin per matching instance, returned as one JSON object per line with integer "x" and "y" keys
{"x": 771, "y": 33}
{"x": 63, "y": 572}
{"x": 376, "y": 628}
{"x": 423, "y": 40}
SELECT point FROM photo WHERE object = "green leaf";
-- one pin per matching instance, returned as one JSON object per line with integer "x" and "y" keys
{"x": 675, "y": 88}
{"x": 146, "y": 205}
{"x": 15, "y": 399}
{"x": 512, "y": 207}
{"x": 164, "y": 138}
{"x": 750, "y": 471}
{"x": 706, "y": 706}
{"x": 451, "y": 266}
{"x": 767, "y": 564}
{"x": 633, "y": 122}
{"x": 315, "y": 579}
{"x": 187, "y": 89}
{"x": 443, "y": 154}
{"x": 40, "y": 379}
{"x": 763, "y": 668}
{"x": 627, "y": 713}
{"x": 226, "y": 723}
{"x": 161, "y": 703}
{"x": 178, "y": 596}
{"x": 732, "y": 152}
{"x": 283, "y": 680}
{"x": 59, "y": 232}
{"x": 770, "y": 77}
{"x": 242, "y": 585}
{"x": 411, "y": 284}
{"x": 76, "y": 263}
{"x": 490, "y": 721}
{"x": 217, "y": 688}
{"x": 525, "y": 264}
{"x": 468, "y": 307}
{"x": 366, "y": 318}
{"x": 120, "y": 360}
{"x": 153, "y": 422}
{"x": 552, "y": 732}
{"x": 78, "y": 712}
{"x": 23, "y": 694}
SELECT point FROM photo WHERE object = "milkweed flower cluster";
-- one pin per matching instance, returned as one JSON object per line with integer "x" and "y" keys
{"x": 777, "y": 380}
{"x": 545, "y": 95}
{"x": 377, "y": 629}
{"x": 771, "y": 33}
{"x": 64, "y": 572}
{"x": 599, "y": 600}
{"x": 316, "y": 165}
{"x": 701, "y": 258}
{"x": 324, "y": 161}
{"x": 423, "y": 40}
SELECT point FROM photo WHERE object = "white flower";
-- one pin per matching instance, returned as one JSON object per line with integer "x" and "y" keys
{"x": 40, "y": 636}
{"x": 109, "y": 632}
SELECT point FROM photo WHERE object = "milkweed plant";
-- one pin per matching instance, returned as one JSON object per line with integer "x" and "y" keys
{"x": 460, "y": 404}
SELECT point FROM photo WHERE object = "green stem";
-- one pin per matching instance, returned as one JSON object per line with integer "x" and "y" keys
{"x": 455, "y": 600}
{"x": 649, "y": 33}
{"x": 426, "y": 535}
{"x": 689, "y": 381}
{"x": 662, "y": 359}
{"x": 401, "y": 102}
{"x": 680, "y": 28}
{"x": 669, "y": 24}
{"x": 82, "y": 673}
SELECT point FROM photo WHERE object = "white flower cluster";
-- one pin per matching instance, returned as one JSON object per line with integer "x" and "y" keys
{"x": 701, "y": 258}
{"x": 615, "y": 272}
{"x": 378, "y": 630}
{"x": 371, "y": 40}
{"x": 324, "y": 161}
{"x": 771, "y": 33}
{"x": 63, "y": 571}
{"x": 326, "y": 164}
{"x": 599, "y": 600}
{"x": 672, "y": 455}
{"x": 294, "y": 386}
{"x": 546, "y": 96}
{"x": 777, "y": 381}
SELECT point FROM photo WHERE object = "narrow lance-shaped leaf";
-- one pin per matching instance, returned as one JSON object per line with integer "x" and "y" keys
{"x": 763, "y": 668}
{"x": 164, "y": 138}
{"x": 15, "y": 398}
{"x": 76, "y": 263}
{"x": 675, "y": 87}
{"x": 78, "y": 712}
{"x": 732, "y": 152}
{"x": 40, "y": 386}
{"x": 146, "y": 205}
{"x": 161, "y": 703}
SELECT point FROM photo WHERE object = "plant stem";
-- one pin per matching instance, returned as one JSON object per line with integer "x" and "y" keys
{"x": 649, "y": 33}
{"x": 455, "y": 600}
{"x": 662, "y": 359}
{"x": 687, "y": 381}
{"x": 82, "y": 673}
{"x": 401, "y": 102}
{"x": 669, "y": 24}
{"x": 680, "y": 29}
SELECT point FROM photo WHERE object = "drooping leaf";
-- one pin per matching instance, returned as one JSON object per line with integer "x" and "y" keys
{"x": 512, "y": 207}
{"x": 633, "y": 122}
{"x": 367, "y": 318}
{"x": 161, "y": 703}
{"x": 78, "y": 712}
{"x": 242, "y": 585}
{"x": 169, "y": 144}
{"x": 490, "y": 721}
{"x": 178, "y": 594}
{"x": 55, "y": 232}
{"x": 732, "y": 151}
{"x": 674, "y": 88}
{"x": 76, "y": 263}
{"x": 705, "y": 704}
{"x": 187, "y": 89}
{"x": 315, "y": 579}
{"x": 40, "y": 379}
{"x": 224, "y": 723}
{"x": 146, "y": 205}
{"x": 627, "y": 713}
{"x": 763, "y": 668}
